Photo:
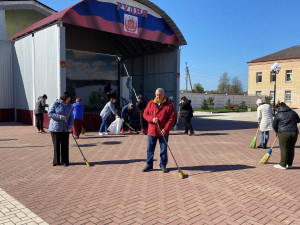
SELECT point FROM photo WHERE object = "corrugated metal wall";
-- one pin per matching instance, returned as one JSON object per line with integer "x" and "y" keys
{"x": 155, "y": 71}
{"x": 23, "y": 73}
{"x": 6, "y": 75}
{"x": 37, "y": 67}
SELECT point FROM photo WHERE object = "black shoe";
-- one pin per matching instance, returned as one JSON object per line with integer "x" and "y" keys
{"x": 260, "y": 146}
{"x": 185, "y": 133}
{"x": 192, "y": 133}
{"x": 56, "y": 164}
{"x": 65, "y": 164}
{"x": 165, "y": 170}
{"x": 147, "y": 168}
{"x": 265, "y": 146}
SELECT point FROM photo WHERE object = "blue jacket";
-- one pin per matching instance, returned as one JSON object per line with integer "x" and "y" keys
{"x": 107, "y": 110}
{"x": 56, "y": 110}
{"x": 126, "y": 112}
{"x": 78, "y": 111}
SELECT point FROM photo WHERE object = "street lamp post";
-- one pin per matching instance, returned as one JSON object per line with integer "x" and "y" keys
{"x": 275, "y": 69}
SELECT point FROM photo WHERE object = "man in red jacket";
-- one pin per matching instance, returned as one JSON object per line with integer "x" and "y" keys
{"x": 159, "y": 111}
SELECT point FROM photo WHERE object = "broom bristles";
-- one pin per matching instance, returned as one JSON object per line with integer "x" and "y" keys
{"x": 87, "y": 163}
{"x": 181, "y": 174}
{"x": 265, "y": 159}
{"x": 253, "y": 143}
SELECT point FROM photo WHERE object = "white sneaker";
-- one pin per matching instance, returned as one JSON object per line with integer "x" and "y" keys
{"x": 106, "y": 133}
{"x": 279, "y": 167}
{"x": 288, "y": 167}
{"x": 100, "y": 134}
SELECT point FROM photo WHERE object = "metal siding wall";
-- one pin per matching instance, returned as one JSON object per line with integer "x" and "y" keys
{"x": 161, "y": 71}
{"x": 6, "y": 75}
{"x": 47, "y": 68}
{"x": 23, "y": 71}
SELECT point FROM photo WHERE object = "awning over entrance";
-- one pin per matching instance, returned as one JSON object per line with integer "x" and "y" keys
{"x": 124, "y": 17}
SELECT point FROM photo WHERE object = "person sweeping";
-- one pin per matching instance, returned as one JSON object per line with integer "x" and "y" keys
{"x": 285, "y": 126}
{"x": 265, "y": 121}
{"x": 78, "y": 117}
{"x": 159, "y": 111}
{"x": 126, "y": 115}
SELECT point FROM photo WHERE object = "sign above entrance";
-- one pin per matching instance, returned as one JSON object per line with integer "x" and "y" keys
{"x": 125, "y": 17}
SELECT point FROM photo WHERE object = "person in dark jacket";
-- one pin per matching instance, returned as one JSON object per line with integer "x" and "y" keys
{"x": 127, "y": 114}
{"x": 141, "y": 105}
{"x": 61, "y": 124}
{"x": 186, "y": 112}
{"x": 39, "y": 112}
{"x": 160, "y": 115}
{"x": 78, "y": 117}
{"x": 285, "y": 126}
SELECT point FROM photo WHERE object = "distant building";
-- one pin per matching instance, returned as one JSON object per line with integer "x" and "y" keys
{"x": 261, "y": 79}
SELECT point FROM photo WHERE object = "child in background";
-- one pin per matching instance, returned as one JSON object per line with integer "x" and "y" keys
{"x": 78, "y": 117}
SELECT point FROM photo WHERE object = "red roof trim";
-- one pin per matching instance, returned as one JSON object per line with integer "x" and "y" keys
{"x": 43, "y": 22}
{"x": 274, "y": 59}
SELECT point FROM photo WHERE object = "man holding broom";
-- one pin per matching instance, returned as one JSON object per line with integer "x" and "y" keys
{"x": 160, "y": 115}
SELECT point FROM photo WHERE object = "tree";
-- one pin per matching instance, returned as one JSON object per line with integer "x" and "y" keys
{"x": 236, "y": 86}
{"x": 224, "y": 84}
{"x": 198, "y": 88}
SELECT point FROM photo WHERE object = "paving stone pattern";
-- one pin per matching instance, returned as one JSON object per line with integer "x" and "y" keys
{"x": 224, "y": 184}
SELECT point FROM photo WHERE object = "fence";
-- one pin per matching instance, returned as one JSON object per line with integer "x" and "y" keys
{"x": 220, "y": 100}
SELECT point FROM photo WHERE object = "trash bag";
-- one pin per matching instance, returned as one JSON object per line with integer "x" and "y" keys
{"x": 115, "y": 126}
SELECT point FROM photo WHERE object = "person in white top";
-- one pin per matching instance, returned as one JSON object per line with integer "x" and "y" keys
{"x": 265, "y": 121}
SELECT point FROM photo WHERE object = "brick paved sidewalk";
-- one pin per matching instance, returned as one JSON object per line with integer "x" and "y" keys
{"x": 224, "y": 183}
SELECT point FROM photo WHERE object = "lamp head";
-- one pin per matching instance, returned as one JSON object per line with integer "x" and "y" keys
{"x": 276, "y": 67}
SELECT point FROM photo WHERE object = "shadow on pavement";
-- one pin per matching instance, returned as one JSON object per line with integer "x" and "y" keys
{"x": 111, "y": 142}
{"x": 203, "y": 124}
{"x": 216, "y": 168}
{"x": 109, "y": 162}
{"x": 8, "y": 139}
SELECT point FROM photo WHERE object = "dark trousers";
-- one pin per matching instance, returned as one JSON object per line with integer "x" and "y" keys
{"x": 287, "y": 142}
{"x": 40, "y": 121}
{"x": 187, "y": 124}
{"x": 61, "y": 147}
{"x": 77, "y": 127}
{"x": 143, "y": 122}
{"x": 163, "y": 150}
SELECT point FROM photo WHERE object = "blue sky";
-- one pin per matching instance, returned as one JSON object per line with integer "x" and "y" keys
{"x": 223, "y": 35}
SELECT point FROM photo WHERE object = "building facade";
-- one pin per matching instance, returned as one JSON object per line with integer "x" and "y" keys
{"x": 261, "y": 80}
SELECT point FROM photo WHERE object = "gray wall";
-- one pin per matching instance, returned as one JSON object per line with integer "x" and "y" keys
{"x": 220, "y": 100}
{"x": 6, "y": 75}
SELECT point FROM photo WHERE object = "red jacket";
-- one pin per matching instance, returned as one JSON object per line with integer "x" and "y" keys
{"x": 165, "y": 114}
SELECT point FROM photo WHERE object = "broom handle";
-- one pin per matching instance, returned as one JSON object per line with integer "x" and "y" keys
{"x": 168, "y": 146}
{"x": 257, "y": 130}
{"x": 274, "y": 142}
{"x": 79, "y": 147}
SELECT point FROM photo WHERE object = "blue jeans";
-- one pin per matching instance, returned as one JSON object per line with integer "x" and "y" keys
{"x": 163, "y": 150}
{"x": 104, "y": 125}
{"x": 262, "y": 139}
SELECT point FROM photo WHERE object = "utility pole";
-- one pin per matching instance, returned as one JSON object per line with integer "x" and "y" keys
{"x": 187, "y": 78}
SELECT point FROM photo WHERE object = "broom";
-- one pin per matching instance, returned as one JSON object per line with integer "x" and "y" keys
{"x": 266, "y": 157}
{"x": 130, "y": 127}
{"x": 83, "y": 131}
{"x": 181, "y": 174}
{"x": 253, "y": 143}
{"x": 86, "y": 162}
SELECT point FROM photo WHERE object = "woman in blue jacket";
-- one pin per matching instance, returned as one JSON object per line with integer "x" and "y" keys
{"x": 61, "y": 124}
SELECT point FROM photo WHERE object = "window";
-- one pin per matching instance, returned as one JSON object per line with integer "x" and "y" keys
{"x": 288, "y": 96}
{"x": 258, "y": 93}
{"x": 272, "y": 95}
{"x": 273, "y": 76}
{"x": 288, "y": 76}
{"x": 258, "y": 77}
